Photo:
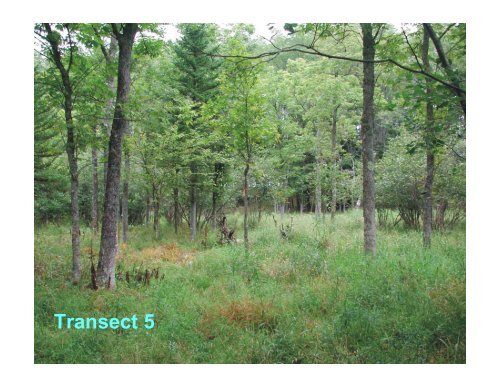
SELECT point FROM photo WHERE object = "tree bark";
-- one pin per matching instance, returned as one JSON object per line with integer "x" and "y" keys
{"x": 443, "y": 59}
{"x": 125, "y": 198}
{"x": 70, "y": 150}
{"x": 440, "y": 215}
{"x": 429, "y": 137}
{"x": 334, "y": 162}
{"x": 281, "y": 208}
{"x": 107, "y": 253}
{"x": 192, "y": 203}
{"x": 218, "y": 171}
{"x": 319, "y": 161}
{"x": 109, "y": 56}
{"x": 367, "y": 128}
{"x": 156, "y": 216}
{"x": 95, "y": 187}
{"x": 245, "y": 205}
{"x": 148, "y": 208}
{"x": 176, "y": 209}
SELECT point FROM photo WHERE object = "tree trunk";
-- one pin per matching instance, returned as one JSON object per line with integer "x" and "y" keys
{"x": 429, "y": 136}
{"x": 156, "y": 216}
{"x": 70, "y": 150}
{"x": 75, "y": 213}
{"x": 192, "y": 204}
{"x": 245, "y": 204}
{"x": 334, "y": 162}
{"x": 214, "y": 210}
{"x": 107, "y": 253}
{"x": 218, "y": 170}
{"x": 95, "y": 187}
{"x": 109, "y": 55}
{"x": 353, "y": 185}
{"x": 176, "y": 209}
{"x": 367, "y": 127}
{"x": 125, "y": 198}
{"x": 148, "y": 208}
{"x": 282, "y": 210}
{"x": 319, "y": 161}
{"x": 440, "y": 213}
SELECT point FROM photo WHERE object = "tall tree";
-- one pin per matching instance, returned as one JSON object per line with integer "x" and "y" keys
{"x": 107, "y": 253}
{"x": 242, "y": 116}
{"x": 367, "y": 129}
{"x": 198, "y": 81}
{"x": 334, "y": 160}
{"x": 429, "y": 142}
{"x": 319, "y": 172}
{"x": 109, "y": 54}
{"x": 55, "y": 41}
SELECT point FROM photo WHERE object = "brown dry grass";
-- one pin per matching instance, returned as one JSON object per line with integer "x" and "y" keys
{"x": 245, "y": 313}
{"x": 170, "y": 252}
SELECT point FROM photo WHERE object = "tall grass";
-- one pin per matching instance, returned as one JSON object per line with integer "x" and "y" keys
{"x": 312, "y": 297}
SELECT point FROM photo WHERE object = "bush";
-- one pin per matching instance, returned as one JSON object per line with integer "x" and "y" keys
{"x": 400, "y": 179}
{"x": 400, "y": 182}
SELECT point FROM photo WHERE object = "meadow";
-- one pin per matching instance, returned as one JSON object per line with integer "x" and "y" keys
{"x": 312, "y": 297}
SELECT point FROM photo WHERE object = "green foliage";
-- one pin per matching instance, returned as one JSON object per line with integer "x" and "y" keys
{"x": 400, "y": 177}
{"x": 400, "y": 180}
{"x": 199, "y": 110}
{"x": 192, "y": 112}
{"x": 197, "y": 69}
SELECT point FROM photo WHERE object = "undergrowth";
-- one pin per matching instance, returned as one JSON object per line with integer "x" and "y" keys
{"x": 312, "y": 297}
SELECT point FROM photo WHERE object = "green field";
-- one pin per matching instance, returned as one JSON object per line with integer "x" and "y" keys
{"x": 311, "y": 298}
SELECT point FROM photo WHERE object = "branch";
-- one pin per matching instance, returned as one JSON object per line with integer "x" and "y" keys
{"x": 116, "y": 31}
{"x": 446, "y": 30}
{"x": 446, "y": 65}
{"x": 70, "y": 47}
{"x": 314, "y": 51}
{"x": 411, "y": 48}
{"x": 101, "y": 44}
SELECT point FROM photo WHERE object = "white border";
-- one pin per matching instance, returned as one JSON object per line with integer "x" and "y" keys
{"x": 16, "y": 277}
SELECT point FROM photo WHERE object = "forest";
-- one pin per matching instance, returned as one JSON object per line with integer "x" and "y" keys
{"x": 275, "y": 193}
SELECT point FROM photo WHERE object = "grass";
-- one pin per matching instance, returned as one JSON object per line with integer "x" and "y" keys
{"x": 313, "y": 298}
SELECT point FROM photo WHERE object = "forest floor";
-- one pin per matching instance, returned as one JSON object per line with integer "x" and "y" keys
{"x": 311, "y": 298}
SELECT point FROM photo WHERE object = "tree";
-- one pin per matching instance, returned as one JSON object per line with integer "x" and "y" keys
{"x": 367, "y": 129}
{"x": 52, "y": 192}
{"x": 56, "y": 42}
{"x": 108, "y": 250}
{"x": 440, "y": 110}
{"x": 109, "y": 54}
{"x": 429, "y": 136}
{"x": 198, "y": 72}
{"x": 242, "y": 117}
